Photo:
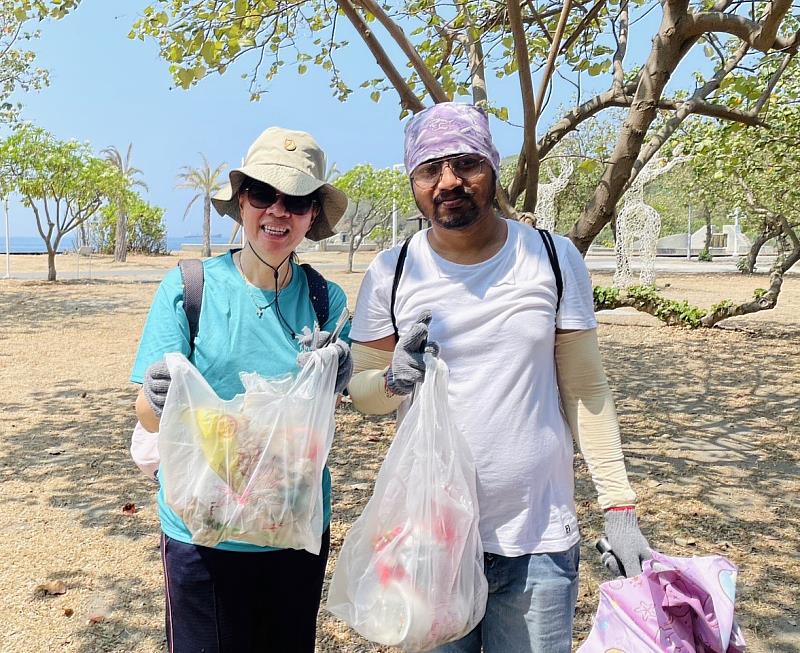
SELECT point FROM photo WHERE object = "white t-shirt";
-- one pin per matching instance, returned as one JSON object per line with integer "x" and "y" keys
{"x": 495, "y": 324}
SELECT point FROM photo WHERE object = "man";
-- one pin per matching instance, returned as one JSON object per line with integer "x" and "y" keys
{"x": 519, "y": 351}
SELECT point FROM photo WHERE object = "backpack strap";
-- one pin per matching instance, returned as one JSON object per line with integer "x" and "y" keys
{"x": 550, "y": 246}
{"x": 398, "y": 271}
{"x": 318, "y": 294}
{"x": 193, "y": 280}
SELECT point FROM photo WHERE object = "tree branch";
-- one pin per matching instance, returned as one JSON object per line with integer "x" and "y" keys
{"x": 686, "y": 108}
{"x": 529, "y": 107}
{"x": 622, "y": 46}
{"x": 710, "y": 110}
{"x": 773, "y": 81}
{"x": 433, "y": 87}
{"x": 480, "y": 97}
{"x": 538, "y": 20}
{"x": 532, "y": 162}
{"x": 408, "y": 99}
{"x": 585, "y": 22}
{"x": 760, "y": 36}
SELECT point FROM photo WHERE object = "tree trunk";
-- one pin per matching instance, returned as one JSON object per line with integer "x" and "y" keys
{"x": 121, "y": 243}
{"x": 51, "y": 264}
{"x": 749, "y": 267}
{"x": 83, "y": 236}
{"x": 706, "y": 253}
{"x": 351, "y": 250}
{"x": 323, "y": 245}
{"x": 206, "y": 226}
{"x": 665, "y": 55}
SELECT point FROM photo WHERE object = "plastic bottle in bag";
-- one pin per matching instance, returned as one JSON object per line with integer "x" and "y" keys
{"x": 410, "y": 573}
{"x": 249, "y": 469}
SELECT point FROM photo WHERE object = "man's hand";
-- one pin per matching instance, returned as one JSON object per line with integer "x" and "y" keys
{"x": 627, "y": 542}
{"x": 156, "y": 384}
{"x": 345, "y": 365}
{"x": 408, "y": 367}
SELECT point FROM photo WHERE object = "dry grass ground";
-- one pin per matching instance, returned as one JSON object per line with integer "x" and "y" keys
{"x": 710, "y": 419}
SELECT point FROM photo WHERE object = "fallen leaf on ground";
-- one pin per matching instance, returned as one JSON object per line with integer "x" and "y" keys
{"x": 52, "y": 588}
{"x": 96, "y": 618}
{"x": 68, "y": 612}
{"x": 129, "y": 509}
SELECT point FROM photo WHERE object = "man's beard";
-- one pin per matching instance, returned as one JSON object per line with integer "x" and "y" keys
{"x": 458, "y": 218}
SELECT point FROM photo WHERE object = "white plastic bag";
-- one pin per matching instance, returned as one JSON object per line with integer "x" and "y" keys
{"x": 144, "y": 450}
{"x": 249, "y": 469}
{"x": 410, "y": 572}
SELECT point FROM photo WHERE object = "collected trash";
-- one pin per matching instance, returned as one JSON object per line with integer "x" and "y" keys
{"x": 249, "y": 469}
{"x": 676, "y": 605}
{"x": 410, "y": 572}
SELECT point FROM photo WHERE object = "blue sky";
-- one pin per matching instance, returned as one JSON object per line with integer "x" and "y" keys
{"x": 109, "y": 90}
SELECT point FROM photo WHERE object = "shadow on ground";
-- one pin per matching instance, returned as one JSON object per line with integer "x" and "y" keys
{"x": 710, "y": 422}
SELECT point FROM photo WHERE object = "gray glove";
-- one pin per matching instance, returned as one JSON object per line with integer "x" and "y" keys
{"x": 408, "y": 367}
{"x": 627, "y": 543}
{"x": 345, "y": 369}
{"x": 156, "y": 384}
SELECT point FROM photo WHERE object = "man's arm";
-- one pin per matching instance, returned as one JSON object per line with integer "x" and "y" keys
{"x": 589, "y": 409}
{"x": 368, "y": 388}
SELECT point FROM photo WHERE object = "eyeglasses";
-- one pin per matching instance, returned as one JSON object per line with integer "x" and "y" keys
{"x": 464, "y": 166}
{"x": 262, "y": 196}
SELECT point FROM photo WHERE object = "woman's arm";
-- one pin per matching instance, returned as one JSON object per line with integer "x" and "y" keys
{"x": 145, "y": 414}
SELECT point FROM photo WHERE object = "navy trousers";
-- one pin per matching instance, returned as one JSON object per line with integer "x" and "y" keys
{"x": 241, "y": 602}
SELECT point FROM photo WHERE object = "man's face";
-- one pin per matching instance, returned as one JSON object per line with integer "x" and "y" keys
{"x": 454, "y": 192}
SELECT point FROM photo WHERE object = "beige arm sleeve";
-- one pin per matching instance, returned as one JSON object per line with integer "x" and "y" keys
{"x": 367, "y": 388}
{"x": 589, "y": 408}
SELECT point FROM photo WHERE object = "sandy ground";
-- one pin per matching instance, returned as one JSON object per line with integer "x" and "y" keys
{"x": 710, "y": 420}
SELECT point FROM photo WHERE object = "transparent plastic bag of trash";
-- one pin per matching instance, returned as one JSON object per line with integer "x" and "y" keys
{"x": 249, "y": 469}
{"x": 410, "y": 572}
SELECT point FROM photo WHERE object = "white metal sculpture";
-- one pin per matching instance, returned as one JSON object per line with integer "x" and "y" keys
{"x": 638, "y": 221}
{"x": 545, "y": 212}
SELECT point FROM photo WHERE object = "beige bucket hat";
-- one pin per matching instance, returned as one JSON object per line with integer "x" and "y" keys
{"x": 293, "y": 163}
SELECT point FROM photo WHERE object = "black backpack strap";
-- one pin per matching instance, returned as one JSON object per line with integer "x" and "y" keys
{"x": 550, "y": 246}
{"x": 318, "y": 294}
{"x": 398, "y": 272}
{"x": 193, "y": 279}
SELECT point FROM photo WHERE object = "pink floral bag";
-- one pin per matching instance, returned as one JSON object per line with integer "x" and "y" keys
{"x": 676, "y": 605}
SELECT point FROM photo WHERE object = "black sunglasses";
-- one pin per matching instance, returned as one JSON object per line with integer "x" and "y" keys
{"x": 262, "y": 196}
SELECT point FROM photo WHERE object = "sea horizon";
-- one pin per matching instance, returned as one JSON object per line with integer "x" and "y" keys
{"x": 35, "y": 244}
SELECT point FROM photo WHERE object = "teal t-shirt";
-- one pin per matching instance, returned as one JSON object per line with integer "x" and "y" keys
{"x": 232, "y": 338}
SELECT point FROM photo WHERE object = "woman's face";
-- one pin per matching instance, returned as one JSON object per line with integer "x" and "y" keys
{"x": 275, "y": 224}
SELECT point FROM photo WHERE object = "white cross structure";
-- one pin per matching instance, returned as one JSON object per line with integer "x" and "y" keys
{"x": 638, "y": 221}
{"x": 545, "y": 211}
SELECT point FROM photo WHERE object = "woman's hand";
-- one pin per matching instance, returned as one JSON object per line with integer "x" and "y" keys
{"x": 151, "y": 398}
{"x": 156, "y": 385}
{"x": 345, "y": 365}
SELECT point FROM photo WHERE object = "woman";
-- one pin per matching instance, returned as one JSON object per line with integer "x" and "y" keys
{"x": 236, "y": 597}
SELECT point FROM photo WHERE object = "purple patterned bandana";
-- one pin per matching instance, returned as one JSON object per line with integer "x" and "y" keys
{"x": 447, "y": 129}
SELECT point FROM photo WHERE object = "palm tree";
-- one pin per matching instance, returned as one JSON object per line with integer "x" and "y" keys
{"x": 130, "y": 174}
{"x": 206, "y": 182}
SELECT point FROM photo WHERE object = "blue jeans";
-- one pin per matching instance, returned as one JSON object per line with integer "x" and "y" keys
{"x": 530, "y": 608}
